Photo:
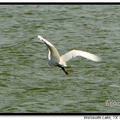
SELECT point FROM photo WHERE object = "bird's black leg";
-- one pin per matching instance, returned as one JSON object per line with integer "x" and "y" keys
{"x": 67, "y": 73}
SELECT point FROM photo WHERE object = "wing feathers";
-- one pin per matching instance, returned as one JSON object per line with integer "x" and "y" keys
{"x": 74, "y": 53}
{"x": 45, "y": 41}
{"x": 52, "y": 48}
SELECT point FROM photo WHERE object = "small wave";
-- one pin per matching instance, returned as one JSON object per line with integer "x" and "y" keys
{"x": 116, "y": 86}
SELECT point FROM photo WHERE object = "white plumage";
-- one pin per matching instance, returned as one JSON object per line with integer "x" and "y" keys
{"x": 55, "y": 59}
{"x": 74, "y": 53}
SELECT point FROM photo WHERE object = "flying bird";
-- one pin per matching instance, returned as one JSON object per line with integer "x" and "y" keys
{"x": 55, "y": 59}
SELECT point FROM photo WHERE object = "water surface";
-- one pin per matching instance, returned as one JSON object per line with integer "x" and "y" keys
{"x": 29, "y": 84}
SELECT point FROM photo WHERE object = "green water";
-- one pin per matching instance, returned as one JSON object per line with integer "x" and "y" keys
{"x": 29, "y": 84}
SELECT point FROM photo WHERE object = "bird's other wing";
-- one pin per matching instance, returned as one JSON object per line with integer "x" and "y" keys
{"x": 74, "y": 53}
{"x": 53, "y": 50}
{"x": 45, "y": 41}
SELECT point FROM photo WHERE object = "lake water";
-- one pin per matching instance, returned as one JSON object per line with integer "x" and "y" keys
{"x": 29, "y": 84}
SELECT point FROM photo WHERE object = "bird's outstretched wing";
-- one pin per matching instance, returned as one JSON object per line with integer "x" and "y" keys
{"x": 45, "y": 41}
{"x": 74, "y": 53}
{"x": 51, "y": 47}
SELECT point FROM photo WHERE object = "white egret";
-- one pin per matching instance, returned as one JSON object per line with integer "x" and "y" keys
{"x": 55, "y": 59}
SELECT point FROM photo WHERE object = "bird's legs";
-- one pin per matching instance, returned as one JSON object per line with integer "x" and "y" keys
{"x": 67, "y": 73}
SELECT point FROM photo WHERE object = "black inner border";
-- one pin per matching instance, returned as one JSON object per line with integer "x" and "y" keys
{"x": 60, "y": 3}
